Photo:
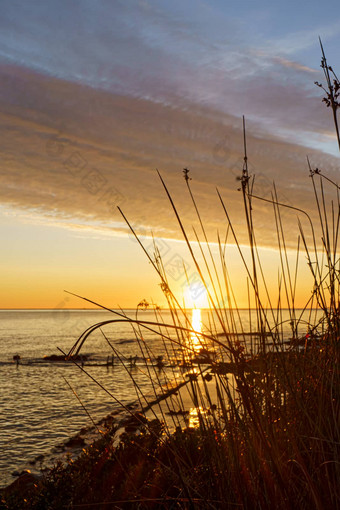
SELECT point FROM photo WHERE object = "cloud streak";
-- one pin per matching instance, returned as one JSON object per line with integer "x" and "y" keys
{"x": 95, "y": 97}
{"x": 174, "y": 53}
{"x": 77, "y": 153}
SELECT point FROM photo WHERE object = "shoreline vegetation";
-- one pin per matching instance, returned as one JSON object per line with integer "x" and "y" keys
{"x": 253, "y": 421}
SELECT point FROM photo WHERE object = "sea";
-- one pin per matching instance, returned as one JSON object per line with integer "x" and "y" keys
{"x": 43, "y": 403}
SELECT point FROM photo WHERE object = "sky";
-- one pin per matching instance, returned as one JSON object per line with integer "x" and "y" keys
{"x": 96, "y": 96}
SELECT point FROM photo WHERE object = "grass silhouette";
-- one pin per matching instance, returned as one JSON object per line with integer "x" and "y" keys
{"x": 267, "y": 407}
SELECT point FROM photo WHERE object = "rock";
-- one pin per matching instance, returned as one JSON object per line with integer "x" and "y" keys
{"x": 21, "y": 473}
{"x": 57, "y": 449}
{"x": 61, "y": 357}
{"x": 134, "y": 422}
{"x": 180, "y": 412}
{"x": 25, "y": 483}
{"x": 36, "y": 459}
{"x": 75, "y": 442}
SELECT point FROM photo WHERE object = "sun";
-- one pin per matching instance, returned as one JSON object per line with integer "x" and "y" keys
{"x": 195, "y": 296}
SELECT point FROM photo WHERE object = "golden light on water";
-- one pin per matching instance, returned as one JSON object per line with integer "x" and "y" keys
{"x": 196, "y": 324}
{"x": 193, "y": 417}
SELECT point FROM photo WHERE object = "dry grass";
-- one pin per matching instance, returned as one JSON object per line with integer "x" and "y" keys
{"x": 268, "y": 412}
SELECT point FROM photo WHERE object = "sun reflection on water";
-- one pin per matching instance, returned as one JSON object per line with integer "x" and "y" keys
{"x": 196, "y": 324}
{"x": 193, "y": 417}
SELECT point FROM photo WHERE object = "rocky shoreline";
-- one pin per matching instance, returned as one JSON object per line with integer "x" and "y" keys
{"x": 72, "y": 447}
{"x": 125, "y": 420}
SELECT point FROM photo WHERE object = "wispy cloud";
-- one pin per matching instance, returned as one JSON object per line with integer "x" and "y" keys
{"x": 296, "y": 42}
{"x": 75, "y": 165}
{"x": 95, "y": 96}
{"x": 197, "y": 52}
{"x": 294, "y": 65}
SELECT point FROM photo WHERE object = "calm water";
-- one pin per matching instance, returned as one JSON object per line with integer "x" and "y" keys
{"x": 38, "y": 409}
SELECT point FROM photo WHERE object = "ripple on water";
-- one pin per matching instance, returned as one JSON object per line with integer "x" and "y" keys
{"x": 40, "y": 411}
